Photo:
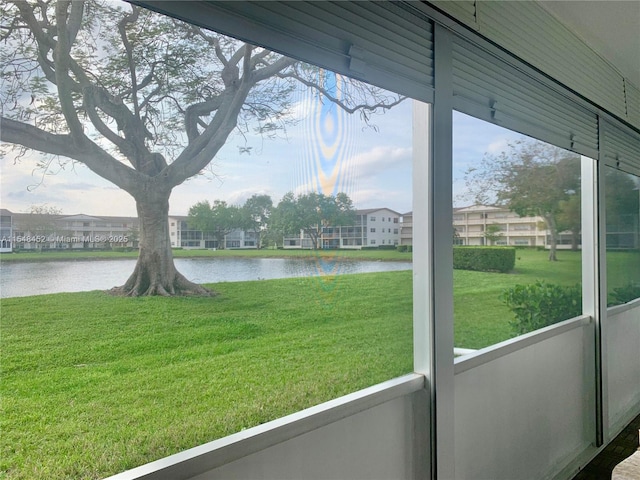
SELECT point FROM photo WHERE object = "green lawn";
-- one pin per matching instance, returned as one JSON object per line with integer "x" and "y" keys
{"x": 481, "y": 319}
{"x": 93, "y": 384}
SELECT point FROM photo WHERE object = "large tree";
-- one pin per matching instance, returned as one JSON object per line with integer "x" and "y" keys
{"x": 530, "y": 178}
{"x": 143, "y": 101}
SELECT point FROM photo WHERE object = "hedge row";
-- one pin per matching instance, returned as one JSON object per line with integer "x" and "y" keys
{"x": 404, "y": 248}
{"x": 484, "y": 259}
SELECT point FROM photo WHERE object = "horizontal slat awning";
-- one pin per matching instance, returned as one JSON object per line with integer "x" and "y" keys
{"x": 489, "y": 88}
{"x": 381, "y": 43}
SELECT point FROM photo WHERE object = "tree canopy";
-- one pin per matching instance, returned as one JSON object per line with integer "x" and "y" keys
{"x": 146, "y": 102}
{"x": 217, "y": 219}
{"x": 311, "y": 212}
{"x": 257, "y": 211}
{"x": 531, "y": 178}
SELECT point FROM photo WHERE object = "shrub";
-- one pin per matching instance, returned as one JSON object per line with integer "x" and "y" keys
{"x": 540, "y": 304}
{"x": 484, "y": 259}
{"x": 624, "y": 294}
{"x": 401, "y": 248}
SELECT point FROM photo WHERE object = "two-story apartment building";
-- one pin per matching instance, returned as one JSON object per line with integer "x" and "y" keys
{"x": 373, "y": 227}
{"x": 43, "y": 231}
{"x": 32, "y": 231}
{"x": 183, "y": 236}
{"x": 489, "y": 225}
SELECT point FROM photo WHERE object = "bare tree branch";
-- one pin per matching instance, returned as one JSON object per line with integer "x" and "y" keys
{"x": 349, "y": 109}
{"x": 95, "y": 158}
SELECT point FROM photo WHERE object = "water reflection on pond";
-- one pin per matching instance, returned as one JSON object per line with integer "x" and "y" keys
{"x": 19, "y": 279}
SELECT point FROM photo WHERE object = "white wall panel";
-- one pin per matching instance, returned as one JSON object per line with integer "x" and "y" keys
{"x": 528, "y": 413}
{"x": 380, "y": 432}
{"x": 375, "y": 444}
{"x": 623, "y": 336}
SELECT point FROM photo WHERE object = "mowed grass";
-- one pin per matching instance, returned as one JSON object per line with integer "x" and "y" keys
{"x": 482, "y": 319}
{"x": 93, "y": 384}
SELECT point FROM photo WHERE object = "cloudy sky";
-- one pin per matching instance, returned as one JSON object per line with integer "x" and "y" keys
{"x": 375, "y": 169}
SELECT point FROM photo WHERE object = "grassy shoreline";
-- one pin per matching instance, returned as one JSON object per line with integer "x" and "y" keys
{"x": 382, "y": 255}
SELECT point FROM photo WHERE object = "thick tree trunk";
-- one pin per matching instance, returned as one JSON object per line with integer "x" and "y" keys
{"x": 553, "y": 237}
{"x": 155, "y": 272}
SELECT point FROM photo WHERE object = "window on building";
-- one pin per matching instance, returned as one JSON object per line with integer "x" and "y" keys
{"x": 373, "y": 230}
{"x": 372, "y": 219}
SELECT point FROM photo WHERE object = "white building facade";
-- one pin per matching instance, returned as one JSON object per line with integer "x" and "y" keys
{"x": 183, "y": 236}
{"x": 488, "y": 225}
{"x": 374, "y": 227}
{"x": 58, "y": 232}
{"x": 6, "y": 230}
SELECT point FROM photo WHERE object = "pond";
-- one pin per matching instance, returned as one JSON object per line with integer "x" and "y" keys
{"x": 20, "y": 279}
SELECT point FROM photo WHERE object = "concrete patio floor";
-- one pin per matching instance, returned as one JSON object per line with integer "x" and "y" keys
{"x": 621, "y": 447}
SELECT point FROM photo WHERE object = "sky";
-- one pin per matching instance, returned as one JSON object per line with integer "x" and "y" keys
{"x": 375, "y": 170}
